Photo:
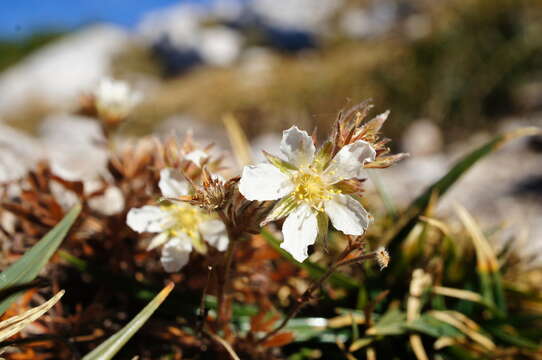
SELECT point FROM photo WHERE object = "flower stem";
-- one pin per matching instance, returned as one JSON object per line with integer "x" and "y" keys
{"x": 309, "y": 293}
{"x": 224, "y": 277}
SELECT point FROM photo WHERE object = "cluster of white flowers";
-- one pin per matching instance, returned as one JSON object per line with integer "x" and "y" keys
{"x": 115, "y": 99}
{"x": 307, "y": 185}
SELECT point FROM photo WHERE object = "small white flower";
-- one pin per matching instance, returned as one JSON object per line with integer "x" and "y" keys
{"x": 180, "y": 226}
{"x": 115, "y": 99}
{"x": 306, "y": 183}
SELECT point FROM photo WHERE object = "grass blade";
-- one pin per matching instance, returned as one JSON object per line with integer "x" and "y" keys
{"x": 15, "y": 324}
{"x": 439, "y": 188}
{"x": 29, "y": 266}
{"x": 111, "y": 346}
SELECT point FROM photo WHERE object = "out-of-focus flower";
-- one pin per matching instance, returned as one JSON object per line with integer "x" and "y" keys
{"x": 313, "y": 189}
{"x": 115, "y": 100}
{"x": 180, "y": 226}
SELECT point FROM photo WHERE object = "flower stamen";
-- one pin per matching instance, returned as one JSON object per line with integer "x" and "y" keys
{"x": 310, "y": 188}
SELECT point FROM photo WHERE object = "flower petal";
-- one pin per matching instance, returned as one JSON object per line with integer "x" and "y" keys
{"x": 175, "y": 253}
{"x": 297, "y": 146}
{"x": 214, "y": 232}
{"x": 264, "y": 182}
{"x": 349, "y": 161}
{"x": 158, "y": 240}
{"x": 347, "y": 214}
{"x": 147, "y": 219}
{"x": 299, "y": 230}
{"x": 172, "y": 183}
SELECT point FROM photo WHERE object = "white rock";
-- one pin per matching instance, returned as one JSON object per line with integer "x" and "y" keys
{"x": 180, "y": 24}
{"x": 56, "y": 74}
{"x": 220, "y": 46}
{"x": 421, "y": 138}
{"x": 302, "y": 15}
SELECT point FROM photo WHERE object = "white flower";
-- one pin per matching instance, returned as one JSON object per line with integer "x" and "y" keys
{"x": 180, "y": 226}
{"x": 115, "y": 99}
{"x": 307, "y": 184}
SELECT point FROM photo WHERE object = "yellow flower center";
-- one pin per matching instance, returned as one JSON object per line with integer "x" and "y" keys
{"x": 187, "y": 219}
{"x": 310, "y": 188}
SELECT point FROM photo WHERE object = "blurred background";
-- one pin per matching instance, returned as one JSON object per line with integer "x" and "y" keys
{"x": 452, "y": 72}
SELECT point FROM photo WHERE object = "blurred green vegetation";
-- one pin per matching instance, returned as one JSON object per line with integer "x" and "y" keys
{"x": 466, "y": 72}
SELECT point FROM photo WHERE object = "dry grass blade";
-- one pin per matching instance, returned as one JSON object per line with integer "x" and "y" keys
{"x": 238, "y": 140}
{"x": 465, "y": 325}
{"x": 420, "y": 281}
{"x": 224, "y": 343}
{"x": 15, "y": 324}
{"x": 487, "y": 260}
{"x": 417, "y": 346}
{"x": 458, "y": 293}
{"x": 346, "y": 320}
{"x": 444, "y": 228}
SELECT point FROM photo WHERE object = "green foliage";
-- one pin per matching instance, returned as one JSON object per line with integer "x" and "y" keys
{"x": 29, "y": 266}
{"x": 479, "y": 323}
{"x": 114, "y": 344}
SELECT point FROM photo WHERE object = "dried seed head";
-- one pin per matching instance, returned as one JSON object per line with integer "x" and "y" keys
{"x": 382, "y": 258}
{"x": 213, "y": 192}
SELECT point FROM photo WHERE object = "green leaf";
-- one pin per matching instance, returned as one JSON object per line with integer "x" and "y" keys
{"x": 416, "y": 208}
{"x": 29, "y": 266}
{"x": 315, "y": 270}
{"x": 391, "y": 323}
{"x": 502, "y": 334}
{"x": 111, "y": 346}
{"x": 428, "y": 325}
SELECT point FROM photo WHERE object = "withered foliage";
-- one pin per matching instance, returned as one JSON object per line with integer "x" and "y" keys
{"x": 109, "y": 275}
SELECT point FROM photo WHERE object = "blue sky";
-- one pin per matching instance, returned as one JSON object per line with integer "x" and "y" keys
{"x": 21, "y": 17}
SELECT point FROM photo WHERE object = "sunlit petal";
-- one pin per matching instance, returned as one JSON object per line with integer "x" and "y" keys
{"x": 175, "y": 253}
{"x": 349, "y": 161}
{"x": 299, "y": 230}
{"x": 172, "y": 183}
{"x": 264, "y": 182}
{"x": 347, "y": 214}
{"x": 214, "y": 232}
{"x": 297, "y": 146}
{"x": 147, "y": 219}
